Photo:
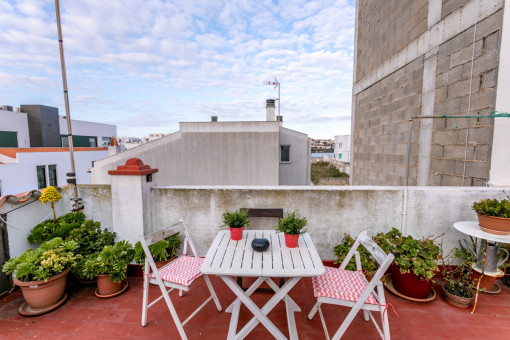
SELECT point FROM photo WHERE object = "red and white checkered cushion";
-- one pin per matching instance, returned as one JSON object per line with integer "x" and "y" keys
{"x": 182, "y": 271}
{"x": 341, "y": 284}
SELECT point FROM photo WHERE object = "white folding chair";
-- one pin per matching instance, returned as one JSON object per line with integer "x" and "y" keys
{"x": 178, "y": 274}
{"x": 351, "y": 289}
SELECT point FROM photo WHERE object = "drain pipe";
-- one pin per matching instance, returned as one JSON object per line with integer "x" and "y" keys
{"x": 404, "y": 198}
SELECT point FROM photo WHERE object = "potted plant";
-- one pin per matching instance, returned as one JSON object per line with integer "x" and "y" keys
{"x": 162, "y": 251}
{"x": 459, "y": 285}
{"x": 61, "y": 227}
{"x": 493, "y": 216}
{"x": 415, "y": 265}
{"x": 292, "y": 225}
{"x": 110, "y": 268}
{"x": 236, "y": 221}
{"x": 42, "y": 274}
{"x": 91, "y": 240}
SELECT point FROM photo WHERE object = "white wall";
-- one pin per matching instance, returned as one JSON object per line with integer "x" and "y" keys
{"x": 297, "y": 171}
{"x": 22, "y": 176}
{"x": 83, "y": 128}
{"x": 345, "y": 149}
{"x": 16, "y": 122}
{"x": 209, "y": 153}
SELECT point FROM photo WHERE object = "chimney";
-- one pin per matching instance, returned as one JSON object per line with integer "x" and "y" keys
{"x": 114, "y": 147}
{"x": 214, "y": 118}
{"x": 270, "y": 110}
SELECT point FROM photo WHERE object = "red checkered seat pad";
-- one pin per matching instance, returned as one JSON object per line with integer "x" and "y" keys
{"x": 341, "y": 284}
{"x": 182, "y": 271}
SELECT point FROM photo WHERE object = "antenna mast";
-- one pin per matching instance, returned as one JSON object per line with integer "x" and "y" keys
{"x": 276, "y": 84}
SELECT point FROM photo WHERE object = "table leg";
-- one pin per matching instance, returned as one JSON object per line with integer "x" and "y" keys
{"x": 273, "y": 285}
{"x": 481, "y": 277}
{"x": 248, "y": 292}
{"x": 291, "y": 321}
{"x": 268, "y": 307}
{"x": 259, "y": 315}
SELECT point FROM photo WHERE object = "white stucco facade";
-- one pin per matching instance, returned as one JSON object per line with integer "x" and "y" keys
{"x": 21, "y": 174}
{"x": 83, "y": 128}
{"x": 343, "y": 148}
{"x": 219, "y": 153}
{"x": 11, "y": 121}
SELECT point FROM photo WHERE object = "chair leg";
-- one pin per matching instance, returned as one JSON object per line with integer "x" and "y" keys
{"x": 146, "y": 285}
{"x": 313, "y": 310}
{"x": 345, "y": 324}
{"x": 170, "y": 305}
{"x": 181, "y": 293}
{"x": 365, "y": 315}
{"x": 213, "y": 293}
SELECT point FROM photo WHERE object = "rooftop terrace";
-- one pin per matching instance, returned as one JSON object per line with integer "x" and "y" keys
{"x": 84, "y": 316}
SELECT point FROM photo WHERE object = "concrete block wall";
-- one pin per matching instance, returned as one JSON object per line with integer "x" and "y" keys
{"x": 381, "y": 130}
{"x": 453, "y": 161}
{"x": 385, "y": 28}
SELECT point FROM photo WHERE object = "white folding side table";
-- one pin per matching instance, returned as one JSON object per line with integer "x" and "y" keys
{"x": 473, "y": 229}
{"x": 228, "y": 259}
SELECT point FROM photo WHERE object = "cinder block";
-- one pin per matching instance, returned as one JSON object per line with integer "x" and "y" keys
{"x": 454, "y": 74}
{"x": 445, "y": 137}
{"x": 459, "y": 151}
{"x": 434, "y": 178}
{"x": 489, "y": 24}
{"x": 461, "y": 56}
{"x": 478, "y": 169}
{"x": 450, "y": 6}
{"x": 442, "y": 165}
{"x": 483, "y": 99}
{"x": 443, "y": 64}
{"x": 482, "y": 152}
{"x": 488, "y": 79}
{"x": 440, "y": 94}
{"x": 482, "y": 135}
{"x": 447, "y": 107}
{"x": 437, "y": 151}
{"x": 478, "y": 182}
{"x": 450, "y": 46}
{"x": 485, "y": 62}
{"x": 459, "y": 89}
{"x": 451, "y": 180}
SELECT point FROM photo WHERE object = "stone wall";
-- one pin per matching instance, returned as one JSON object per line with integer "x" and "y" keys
{"x": 385, "y": 28}
{"x": 453, "y": 162}
{"x": 381, "y": 127}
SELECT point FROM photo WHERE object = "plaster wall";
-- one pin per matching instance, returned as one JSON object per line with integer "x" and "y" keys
{"x": 22, "y": 176}
{"x": 212, "y": 153}
{"x": 297, "y": 171}
{"x": 16, "y": 122}
{"x": 343, "y": 147}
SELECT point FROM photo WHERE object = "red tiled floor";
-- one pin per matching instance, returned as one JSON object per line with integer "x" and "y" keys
{"x": 84, "y": 316}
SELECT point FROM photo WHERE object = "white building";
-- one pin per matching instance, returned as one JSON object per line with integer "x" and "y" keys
{"x": 33, "y": 148}
{"x": 222, "y": 153}
{"x": 343, "y": 148}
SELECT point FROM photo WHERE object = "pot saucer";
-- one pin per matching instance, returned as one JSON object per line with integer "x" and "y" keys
{"x": 495, "y": 289}
{"x": 26, "y": 310}
{"x": 114, "y": 294}
{"x": 388, "y": 283}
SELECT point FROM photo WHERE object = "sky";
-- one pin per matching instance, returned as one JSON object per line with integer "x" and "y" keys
{"x": 146, "y": 65}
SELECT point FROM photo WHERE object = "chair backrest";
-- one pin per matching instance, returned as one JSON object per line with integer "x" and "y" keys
{"x": 384, "y": 260}
{"x": 159, "y": 235}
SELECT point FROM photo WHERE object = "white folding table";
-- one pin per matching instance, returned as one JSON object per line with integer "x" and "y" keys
{"x": 228, "y": 259}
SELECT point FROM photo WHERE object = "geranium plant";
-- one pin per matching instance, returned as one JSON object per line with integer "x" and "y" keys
{"x": 50, "y": 194}
{"x": 50, "y": 258}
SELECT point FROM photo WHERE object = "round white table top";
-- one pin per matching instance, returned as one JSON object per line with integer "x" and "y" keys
{"x": 473, "y": 229}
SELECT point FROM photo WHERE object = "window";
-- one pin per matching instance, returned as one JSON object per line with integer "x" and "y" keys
{"x": 92, "y": 142}
{"x": 64, "y": 141}
{"x": 52, "y": 174}
{"x": 106, "y": 141}
{"x": 8, "y": 139}
{"x": 339, "y": 156}
{"x": 41, "y": 176}
{"x": 284, "y": 153}
{"x": 80, "y": 141}
{"x": 339, "y": 145}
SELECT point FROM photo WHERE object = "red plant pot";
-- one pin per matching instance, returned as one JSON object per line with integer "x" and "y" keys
{"x": 291, "y": 241}
{"x": 236, "y": 233}
{"x": 409, "y": 284}
{"x": 494, "y": 225}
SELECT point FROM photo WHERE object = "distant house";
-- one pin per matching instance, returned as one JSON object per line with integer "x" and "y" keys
{"x": 222, "y": 153}
{"x": 34, "y": 149}
{"x": 343, "y": 148}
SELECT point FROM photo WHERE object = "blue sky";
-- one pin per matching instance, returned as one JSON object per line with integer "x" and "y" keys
{"x": 146, "y": 65}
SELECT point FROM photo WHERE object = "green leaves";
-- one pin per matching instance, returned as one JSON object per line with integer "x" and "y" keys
{"x": 161, "y": 250}
{"x": 49, "y": 229}
{"x": 292, "y": 224}
{"x": 112, "y": 260}
{"x": 236, "y": 219}
{"x": 493, "y": 208}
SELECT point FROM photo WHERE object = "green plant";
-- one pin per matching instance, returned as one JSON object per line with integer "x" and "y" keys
{"x": 49, "y": 229}
{"x": 50, "y": 258}
{"x": 324, "y": 169}
{"x": 111, "y": 261}
{"x": 492, "y": 208}
{"x": 418, "y": 256}
{"x": 90, "y": 238}
{"x": 50, "y": 194}
{"x": 161, "y": 250}
{"x": 236, "y": 219}
{"x": 458, "y": 280}
{"x": 292, "y": 224}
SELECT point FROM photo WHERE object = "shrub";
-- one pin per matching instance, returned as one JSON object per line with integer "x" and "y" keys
{"x": 50, "y": 229}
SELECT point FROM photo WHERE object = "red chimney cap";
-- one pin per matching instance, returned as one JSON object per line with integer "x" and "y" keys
{"x": 133, "y": 167}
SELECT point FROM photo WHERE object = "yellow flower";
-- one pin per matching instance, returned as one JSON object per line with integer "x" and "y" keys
{"x": 50, "y": 194}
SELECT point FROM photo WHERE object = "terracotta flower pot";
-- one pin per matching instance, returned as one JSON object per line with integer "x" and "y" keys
{"x": 291, "y": 241}
{"x": 457, "y": 301}
{"x": 106, "y": 287}
{"x": 41, "y": 295}
{"x": 409, "y": 284}
{"x": 494, "y": 225}
{"x": 236, "y": 234}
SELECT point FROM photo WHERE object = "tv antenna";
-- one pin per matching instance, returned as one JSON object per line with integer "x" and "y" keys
{"x": 276, "y": 85}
